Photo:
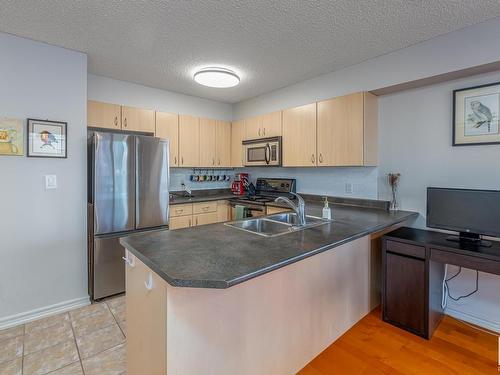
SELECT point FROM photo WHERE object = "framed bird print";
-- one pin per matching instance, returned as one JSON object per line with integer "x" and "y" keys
{"x": 476, "y": 115}
{"x": 47, "y": 139}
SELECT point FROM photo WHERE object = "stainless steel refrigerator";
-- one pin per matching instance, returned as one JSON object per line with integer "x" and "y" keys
{"x": 128, "y": 179}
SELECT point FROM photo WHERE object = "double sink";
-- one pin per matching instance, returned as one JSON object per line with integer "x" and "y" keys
{"x": 276, "y": 225}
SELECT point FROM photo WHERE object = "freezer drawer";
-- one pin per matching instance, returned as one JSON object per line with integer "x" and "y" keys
{"x": 108, "y": 267}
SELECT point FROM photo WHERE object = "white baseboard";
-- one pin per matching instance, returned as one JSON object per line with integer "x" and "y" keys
{"x": 492, "y": 326}
{"x": 42, "y": 312}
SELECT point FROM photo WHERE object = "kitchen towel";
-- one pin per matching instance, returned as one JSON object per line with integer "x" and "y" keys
{"x": 239, "y": 212}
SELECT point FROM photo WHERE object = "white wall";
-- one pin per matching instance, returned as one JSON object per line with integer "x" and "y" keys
{"x": 415, "y": 135}
{"x": 471, "y": 46}
{"x": 42, "y": 232}
{"x": 125, "y": 93}
{"x": 325, "y": 181}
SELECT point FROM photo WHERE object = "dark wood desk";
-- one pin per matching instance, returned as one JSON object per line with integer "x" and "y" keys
{"x": 413, "y": 269}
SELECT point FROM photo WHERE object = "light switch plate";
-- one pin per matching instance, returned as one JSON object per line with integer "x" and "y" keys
{"x": 50, "y": 181}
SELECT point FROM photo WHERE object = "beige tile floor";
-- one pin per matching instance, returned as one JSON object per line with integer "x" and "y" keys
{"x": 85, "y": 341}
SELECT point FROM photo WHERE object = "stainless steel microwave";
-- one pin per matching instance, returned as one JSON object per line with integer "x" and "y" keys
{"x": 262, "y": 152}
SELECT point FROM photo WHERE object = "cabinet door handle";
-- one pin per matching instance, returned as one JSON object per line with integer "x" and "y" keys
{"x": 182, "y": 160}
{"x": 149, "y": 283}
{"x": 129, "y": 261}
{"x": 320, "y": 158}
{"x": 264, "y": 131}
{"x": 213, "y": 161}
{"x": 259, "y": 132}
{"x": 219, "y": 162}
{"x": 189, "y": 222}
{"x": 116, "y": 120}
{"x": 195, "y": 221}
{"x": 125, "y": 122}
{"x": 175, "y": 160}
{"x": 312, "y": 158}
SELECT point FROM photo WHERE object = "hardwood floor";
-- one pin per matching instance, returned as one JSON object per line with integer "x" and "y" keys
{"x": 374, "y": 347}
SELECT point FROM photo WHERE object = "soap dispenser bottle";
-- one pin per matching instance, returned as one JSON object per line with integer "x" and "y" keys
{"x": 327, "y": 212}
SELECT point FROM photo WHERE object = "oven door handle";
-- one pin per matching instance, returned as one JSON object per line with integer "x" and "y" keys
{"x": 268, "y": 154}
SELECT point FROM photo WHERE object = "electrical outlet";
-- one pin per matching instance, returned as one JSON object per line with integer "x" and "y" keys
{"x": 50, "y": 181}
{"x": 348, "y": 188}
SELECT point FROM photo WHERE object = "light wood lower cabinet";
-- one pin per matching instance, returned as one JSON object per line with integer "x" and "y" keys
{"x": 276, "y": 210}
{"x": 146, "y": 307}
{"x": 223, "y": 211}
{"x": 194, "y": 214}
{"x": 180, "y": 222}
{"x": 204, "y": 219}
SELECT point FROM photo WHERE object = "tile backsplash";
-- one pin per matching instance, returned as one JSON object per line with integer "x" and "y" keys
{"x": 357, "y": 182}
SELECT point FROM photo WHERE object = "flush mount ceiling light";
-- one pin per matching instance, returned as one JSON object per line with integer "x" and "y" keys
{"x": 216, "y": 77}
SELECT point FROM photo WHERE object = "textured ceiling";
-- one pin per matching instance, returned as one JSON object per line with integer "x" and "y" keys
{"x": 271, "y": 44}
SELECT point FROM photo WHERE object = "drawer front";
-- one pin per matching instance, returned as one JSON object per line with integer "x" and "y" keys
{"x": 204, "y": 207}
{"x": 467, "y": 261}
{"x": 181, "y": 210}
{"x": 405, "y": 249}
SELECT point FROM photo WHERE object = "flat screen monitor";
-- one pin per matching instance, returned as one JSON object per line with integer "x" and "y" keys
{"x": 470, "y": 212}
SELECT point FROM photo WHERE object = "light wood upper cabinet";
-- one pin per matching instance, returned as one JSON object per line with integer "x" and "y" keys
{"x": 167, "y": 126}
{"x": 268, "y": 125}
{"x": 138, "y": 119}
{"x": 207, "y": 142}
{"x": 299, "y": 136}
{"x": 189, "y": 141}
{"x": 223, "y": 144}
{"x": 103, "y": 115}
{"x": 237, "y": 135}
{"x": 253, "y": 126}
{"x": 271, "y": 124}
{"x": 347, "y": 130}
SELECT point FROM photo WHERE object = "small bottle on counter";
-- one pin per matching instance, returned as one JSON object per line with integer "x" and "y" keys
{"x": 327, "y": 212}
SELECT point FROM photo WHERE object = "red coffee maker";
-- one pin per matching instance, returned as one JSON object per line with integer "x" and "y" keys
{"x": 238, "y": 186}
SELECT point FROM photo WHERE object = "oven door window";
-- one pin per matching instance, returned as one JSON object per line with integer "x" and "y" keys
{"x": 256, "y": 154}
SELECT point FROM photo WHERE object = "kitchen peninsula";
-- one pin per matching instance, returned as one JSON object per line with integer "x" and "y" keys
{"x": 218, "y": 300}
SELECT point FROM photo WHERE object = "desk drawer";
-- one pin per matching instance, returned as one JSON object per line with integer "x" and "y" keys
{"x": 181, "y": 210}
{"x": 466, "y": 261}
{"x": 405, "y": 249}
{"x": 204, "y": 207}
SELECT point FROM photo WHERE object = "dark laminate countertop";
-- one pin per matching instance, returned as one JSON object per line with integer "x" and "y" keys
{"x": 218, "y": 256}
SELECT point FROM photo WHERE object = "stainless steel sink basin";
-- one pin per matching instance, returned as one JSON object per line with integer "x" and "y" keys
{"x": 275, "y": 225}
{"x": 292, "y": 219}
{"x": 261, "y": 226}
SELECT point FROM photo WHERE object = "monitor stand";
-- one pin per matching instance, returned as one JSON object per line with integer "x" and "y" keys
{"x": 471, "y": 239}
